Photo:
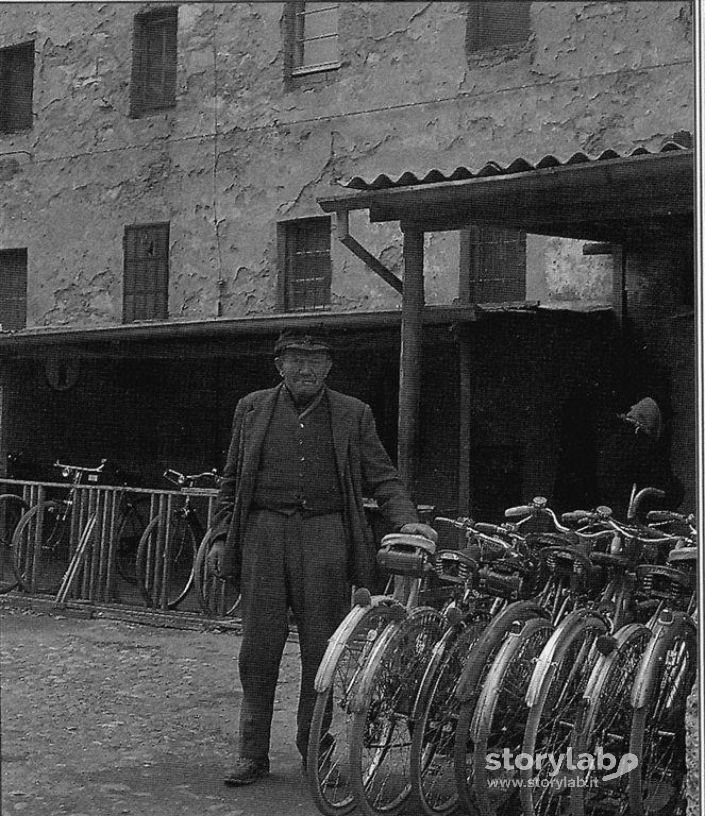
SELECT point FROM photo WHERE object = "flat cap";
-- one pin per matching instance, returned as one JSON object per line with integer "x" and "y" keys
{"x": 301, "y": 341}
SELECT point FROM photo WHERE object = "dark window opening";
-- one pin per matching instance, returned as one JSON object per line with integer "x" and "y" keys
{"x": 153, "y": 85}
{"x": 497, "y": 23}
{"x": 16, "y": 87}
{"x": 494, "y": 264}
{"x": 13, "y": 289}
{"x": 305, "y": 264}
{"x": 146, "y": 272}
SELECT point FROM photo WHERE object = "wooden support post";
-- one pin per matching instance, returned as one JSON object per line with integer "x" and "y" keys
{"x": 619, "y": 283}
{"x": 410, "y": 358}
{"x": 464, "y": 420}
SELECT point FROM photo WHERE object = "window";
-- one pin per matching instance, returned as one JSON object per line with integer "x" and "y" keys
{"x": 154, "y": 61}
{"x": 13, "y": 289}
{"x": 146, "y": 273}
{"x": 496, "y": 23}
{"x": 16, "y": 85}
{"x": 494, "y": 261}
{"x": 312, "y": 33}
{"x": 305, "y": 265}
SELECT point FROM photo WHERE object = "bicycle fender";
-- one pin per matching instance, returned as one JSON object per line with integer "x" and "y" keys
{"x": 339, "y": 639}
{"x": 491, "y": 686}
{"x": 604, "y": 662}
{"x": 547, "y": 661}
{"x": 480, "y": 653}
{"x": 664, "y": 630}
{"x": 437, "y": 655}
{"x": 364, "y": 684}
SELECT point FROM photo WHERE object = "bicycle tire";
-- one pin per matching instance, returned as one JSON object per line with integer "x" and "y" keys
{"x": 657, "y": 739}
{"x": 217, "y": 597}
{"x": 42, "y": 570}
{"x": 500, "y": 715}
{"x": 605, "y": 721}
{"x": 386, "y": 692}
{"x": 151, "y": 568}
{"x": 432, "y": 745}
{"x": 327, "y": 761}
{"x": 12, "y": 508}
{"x": 131, "y": 524}
{"x": 559, "y": 680}
{"x": 477, "y": 664}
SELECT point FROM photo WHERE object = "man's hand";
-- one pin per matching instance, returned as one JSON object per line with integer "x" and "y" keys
{"x": 220, "y": 559}
{"x": 420, "y": 529}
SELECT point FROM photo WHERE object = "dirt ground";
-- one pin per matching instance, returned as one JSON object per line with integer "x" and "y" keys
{"x": 103, "y": 717}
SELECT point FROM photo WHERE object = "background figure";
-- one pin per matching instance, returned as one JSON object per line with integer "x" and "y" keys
{"x": 641, "y": 459}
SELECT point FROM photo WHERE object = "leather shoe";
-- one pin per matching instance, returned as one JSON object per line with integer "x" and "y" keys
{"x": 246, "y": 771}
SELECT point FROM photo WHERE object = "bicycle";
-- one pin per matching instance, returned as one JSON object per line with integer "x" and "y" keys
{"x": 493, "y": 717}
{"x": 43, "y": 537}
{"x": 489, "y": 585}
{"x": 218, "y": 596}
{"x": 329, "y": 757}
{"x": 12, "y": 508}
{"x": 166, "y": 555}
{"x": 615, "y": 712}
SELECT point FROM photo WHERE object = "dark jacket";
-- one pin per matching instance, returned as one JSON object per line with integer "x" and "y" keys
{"x": 363, "y": 466}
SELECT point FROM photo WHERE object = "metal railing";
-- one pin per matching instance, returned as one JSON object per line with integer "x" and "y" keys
{"x": 88, "y": 569}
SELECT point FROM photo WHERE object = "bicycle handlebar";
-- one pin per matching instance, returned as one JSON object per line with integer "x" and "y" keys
{"x": 181, "y": 479}
{"x": 67, "y": 470}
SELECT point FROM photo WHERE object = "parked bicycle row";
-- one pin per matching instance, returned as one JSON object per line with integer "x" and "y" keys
{"x": 102, "y": 544}
{"x": 550, "y": 676}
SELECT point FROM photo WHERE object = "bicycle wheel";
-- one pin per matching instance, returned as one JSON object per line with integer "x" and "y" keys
{"x": 604, "y": 722}
{"x": 12, "y": 508}
{"x": 500, "y": 717}
{"x": 432, "y": 767}
{"x": 165, "y": 561}
{"x": 555, "y": 691}
{"x": 131, "y": 524}
{"x": 41, "y": 551}
{"x": 218, "y": 597}
{"x": 658, "y": 734}
{"x": 327, "y": 761}
{"x": 381, "y": 730}
{"x": 478, "y": 663}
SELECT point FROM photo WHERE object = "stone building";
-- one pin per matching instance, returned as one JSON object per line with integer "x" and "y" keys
{"x": 161, "y": 168}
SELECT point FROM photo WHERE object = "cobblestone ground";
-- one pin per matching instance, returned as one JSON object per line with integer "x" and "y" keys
{"x": 103, "y": 717}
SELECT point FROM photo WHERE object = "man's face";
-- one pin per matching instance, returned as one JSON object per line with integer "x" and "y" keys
{"x": 304, "y": 372}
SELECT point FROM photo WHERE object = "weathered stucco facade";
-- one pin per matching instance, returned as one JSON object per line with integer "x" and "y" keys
{"x": 241, "y": 150}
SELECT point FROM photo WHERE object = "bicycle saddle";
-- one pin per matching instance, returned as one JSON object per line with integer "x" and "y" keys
{"x": 566, "y": 558}
{"x": 406, "y": 554}
{"x": 603, "y": 559}
{"x": 455, "y": 566}
{"x": 668, "y": 583}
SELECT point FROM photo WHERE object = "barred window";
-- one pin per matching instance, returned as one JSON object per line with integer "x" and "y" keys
{"x": 312, "y": 33}
{"x": 153, "y": 86}
{"x": 496, "y": 23}
{"x": 13, "y": 289}
{"x": 146, "y": 272}
{"x": 305, "y": 275}
{"x": 16, "y": 87}
{"x": 496, "y": 263}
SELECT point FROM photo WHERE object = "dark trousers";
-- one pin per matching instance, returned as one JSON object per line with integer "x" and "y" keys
{"x": 288, "y": 562}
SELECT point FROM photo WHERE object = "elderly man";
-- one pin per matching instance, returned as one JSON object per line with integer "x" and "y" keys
{"x": 301, "y": 458}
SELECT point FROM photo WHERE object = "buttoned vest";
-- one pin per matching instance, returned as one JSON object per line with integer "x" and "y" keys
{"x": 297, "y": 468}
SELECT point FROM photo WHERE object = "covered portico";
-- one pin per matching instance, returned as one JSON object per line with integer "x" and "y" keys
{"x": 626, "y": 201}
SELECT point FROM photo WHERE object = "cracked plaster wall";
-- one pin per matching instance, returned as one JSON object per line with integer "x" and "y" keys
{"x": 242, "y": 150}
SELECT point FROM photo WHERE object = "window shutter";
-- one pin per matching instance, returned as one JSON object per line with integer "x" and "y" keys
{"x": 16, "y": 87}
{"x": 13, "y": 289}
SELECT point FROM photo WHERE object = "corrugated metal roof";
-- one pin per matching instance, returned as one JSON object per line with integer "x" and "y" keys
{"x": 518, "y": 165}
